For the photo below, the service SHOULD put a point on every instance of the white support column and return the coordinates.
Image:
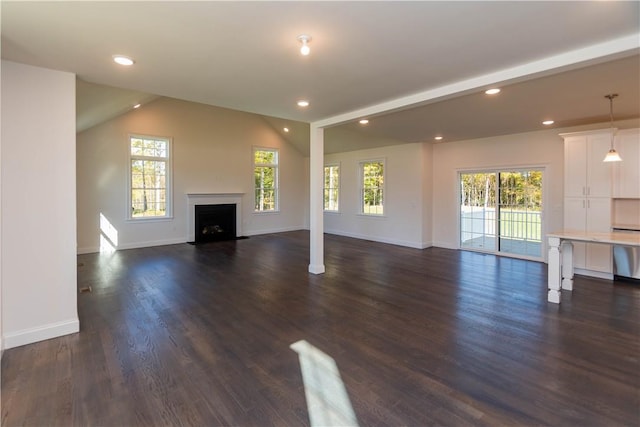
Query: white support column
(316, 211)
(554, 275)
(567, 265)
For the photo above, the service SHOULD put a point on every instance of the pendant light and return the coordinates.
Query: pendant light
(304, 39)
(612, 155)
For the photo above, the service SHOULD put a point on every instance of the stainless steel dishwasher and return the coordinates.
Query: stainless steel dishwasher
(626, 259)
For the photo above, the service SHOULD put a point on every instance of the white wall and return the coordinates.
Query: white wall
(427, 193)
(536, 149)
(212, 153)
(38, 249)
(307, 208)
(405, 192)
(1, 330)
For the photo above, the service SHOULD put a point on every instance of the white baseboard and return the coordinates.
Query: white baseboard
(135, 245)
(591, 273)
(406, 243)
(273, 230)
(445, 245)
(87, 250)
(421, 245)
(40, 333)
(426, 245)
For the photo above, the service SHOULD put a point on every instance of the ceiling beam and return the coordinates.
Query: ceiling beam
(578, 58)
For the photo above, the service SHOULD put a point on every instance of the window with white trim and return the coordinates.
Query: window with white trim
(149, 177)
(265, 178)
(331, 188)
(372, 187)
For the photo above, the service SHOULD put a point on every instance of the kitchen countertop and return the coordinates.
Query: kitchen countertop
(613, 238)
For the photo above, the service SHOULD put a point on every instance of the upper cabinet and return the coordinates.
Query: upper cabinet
(586, 175)
(626, 174)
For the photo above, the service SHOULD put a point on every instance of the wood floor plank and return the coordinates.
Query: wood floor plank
(200, 335)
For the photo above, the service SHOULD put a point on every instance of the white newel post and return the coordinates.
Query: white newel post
(567, 265)
(316, 214)
(554, 270)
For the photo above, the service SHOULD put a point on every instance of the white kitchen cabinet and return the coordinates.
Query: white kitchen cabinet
(586, 175)
(626, 174)
(587, 202)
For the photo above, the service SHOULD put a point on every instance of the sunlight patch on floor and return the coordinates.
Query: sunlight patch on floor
(108, 235)
(327, 399)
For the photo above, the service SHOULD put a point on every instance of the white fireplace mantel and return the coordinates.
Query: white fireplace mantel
(194, 199)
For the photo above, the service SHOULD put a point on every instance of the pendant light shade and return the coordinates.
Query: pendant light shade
(612, 155)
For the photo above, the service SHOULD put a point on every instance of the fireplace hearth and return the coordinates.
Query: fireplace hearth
(215, 223)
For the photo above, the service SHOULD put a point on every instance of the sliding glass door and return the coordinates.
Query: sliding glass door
(520, 215)
(478, 211)
(501, 211)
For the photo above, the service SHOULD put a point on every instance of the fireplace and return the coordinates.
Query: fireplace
(215, 222)
(212, 199)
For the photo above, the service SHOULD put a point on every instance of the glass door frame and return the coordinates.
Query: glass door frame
(497, 171)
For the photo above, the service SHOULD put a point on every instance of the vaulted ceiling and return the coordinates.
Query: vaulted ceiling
(244, 56)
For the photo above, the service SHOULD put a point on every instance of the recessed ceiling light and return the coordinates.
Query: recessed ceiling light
(123, 60)
(438, 138)
(137, 106)
(364, 121)
(492, 91)
(548, 122)
(285, 129)
(303, 103)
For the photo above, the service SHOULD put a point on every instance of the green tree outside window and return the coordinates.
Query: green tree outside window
(265, 176)
(149, 176)
(373, 188)
(331, 187)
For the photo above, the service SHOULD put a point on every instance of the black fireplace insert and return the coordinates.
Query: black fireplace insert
(215, 222)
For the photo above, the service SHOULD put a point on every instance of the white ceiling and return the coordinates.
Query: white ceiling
(244, 55)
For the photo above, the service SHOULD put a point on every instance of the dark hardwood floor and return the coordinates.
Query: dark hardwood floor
(200, 335)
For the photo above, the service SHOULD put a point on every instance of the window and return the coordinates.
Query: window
(265, 175)
(372, 180)
(501, 211)
(331, 187)
(149, 177)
